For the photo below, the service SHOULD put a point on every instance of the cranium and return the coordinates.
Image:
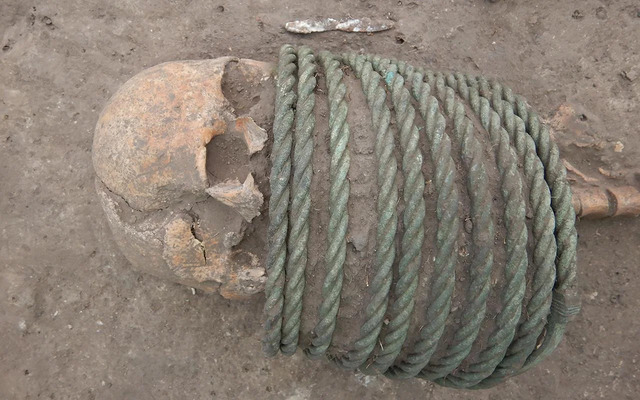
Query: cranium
(180, 172)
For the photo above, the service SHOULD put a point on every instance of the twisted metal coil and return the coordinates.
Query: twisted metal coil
(482, 229)
(447, 230)
(338, 199)
(413, 216)
(386, 211)
(520, 339)
(279, 202)
(300, 201)
(516, 248)
(565, 303)
(544, 253)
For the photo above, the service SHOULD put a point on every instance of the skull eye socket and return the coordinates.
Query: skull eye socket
(227, 159)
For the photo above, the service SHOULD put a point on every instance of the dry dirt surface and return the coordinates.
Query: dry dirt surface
(76, 322)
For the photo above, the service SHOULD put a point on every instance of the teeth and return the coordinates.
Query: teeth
(244, 198)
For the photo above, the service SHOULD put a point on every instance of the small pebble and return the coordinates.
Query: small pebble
(618, 147)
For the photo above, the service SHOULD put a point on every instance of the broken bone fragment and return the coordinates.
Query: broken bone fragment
(254, 136)
(194, 253)
(245, 198)
(606, 201)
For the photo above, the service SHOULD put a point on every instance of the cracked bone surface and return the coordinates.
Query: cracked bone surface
(170, 150)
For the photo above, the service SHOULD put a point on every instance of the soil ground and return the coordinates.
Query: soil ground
(76, 322)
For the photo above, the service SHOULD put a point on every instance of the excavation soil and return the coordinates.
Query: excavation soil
(76, 321)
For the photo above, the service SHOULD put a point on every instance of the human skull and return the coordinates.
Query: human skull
(180, 170)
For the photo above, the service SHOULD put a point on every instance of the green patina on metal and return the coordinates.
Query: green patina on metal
(279, 203)
(300, 200)
(338, 200)
(517, 136)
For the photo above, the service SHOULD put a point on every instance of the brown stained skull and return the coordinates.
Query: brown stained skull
(179, 171)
